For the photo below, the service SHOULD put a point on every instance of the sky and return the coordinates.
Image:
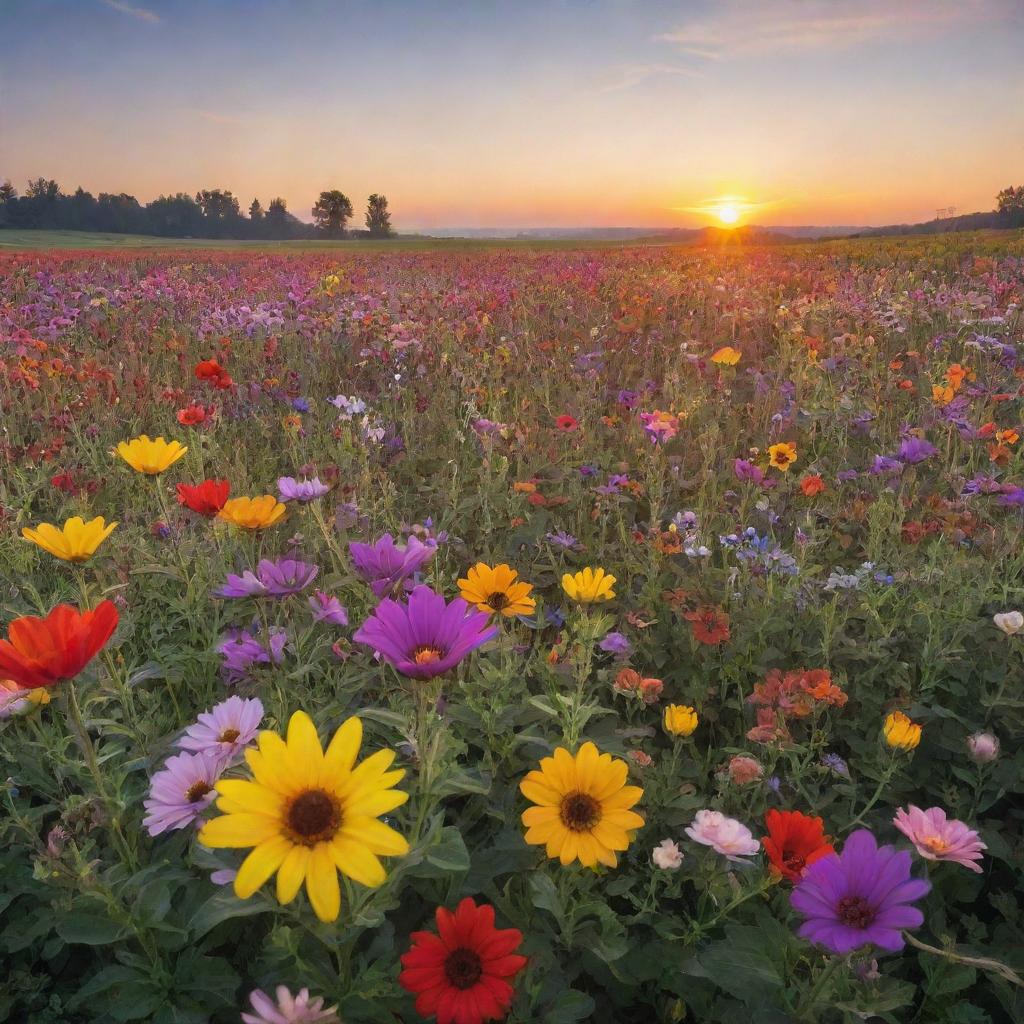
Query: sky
(528, 113)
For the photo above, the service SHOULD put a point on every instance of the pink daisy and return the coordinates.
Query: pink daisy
(181, 791)
(936, 837)
(226, 730)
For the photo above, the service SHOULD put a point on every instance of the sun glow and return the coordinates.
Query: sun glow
(728, 213)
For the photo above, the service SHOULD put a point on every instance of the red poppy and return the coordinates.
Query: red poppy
(812, 485)
(194, 415)
(40, 652)
(207, 498)
(213, 373)
(566, 423)
(794, 841)
(460, 974)
(710, 625)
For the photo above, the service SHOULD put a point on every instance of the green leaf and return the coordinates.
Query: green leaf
(89, 929)
(568, 1007)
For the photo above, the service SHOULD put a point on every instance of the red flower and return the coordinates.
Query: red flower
(794, 841)
(710, 625)
(64, 482)
(194, 415)
(812, 485)
(213, 373)
(40, 652)
(460, 974)
(566, 423)
(207, 498)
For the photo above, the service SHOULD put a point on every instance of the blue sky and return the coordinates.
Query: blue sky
(519, 114)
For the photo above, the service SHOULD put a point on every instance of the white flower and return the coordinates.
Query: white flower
(1011, 623)
(724, 835)
(667, 855)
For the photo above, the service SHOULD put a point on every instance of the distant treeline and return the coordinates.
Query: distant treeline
(211, 213)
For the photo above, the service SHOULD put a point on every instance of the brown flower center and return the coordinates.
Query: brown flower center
(426, 654)
(497, 601)
(462, 968)
(313, 817)
(228, 736)
(197, 791)
(579, 812)
(856, 912)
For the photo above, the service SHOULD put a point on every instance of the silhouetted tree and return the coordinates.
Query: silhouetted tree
(1010, 205)
(8, 196)
(220, 211)
(378, 220)
(331, 213)
(177, 216)
(277, 219)
(81, 211)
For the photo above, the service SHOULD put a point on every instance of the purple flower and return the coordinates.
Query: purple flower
(562, 539)
(616, 643)
(242, 649)
(226, 730)
(915, 450)
(746, 470)
(181, 791)
(328, 609)
(291, 489)
(384, 564)
(300, 405)
(883, 464)
(427, 636)
(860, 897)
(1012, 497)
(271, 579)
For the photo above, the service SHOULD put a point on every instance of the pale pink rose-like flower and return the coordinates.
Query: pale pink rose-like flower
(936, 837)
(743, 769)
(667, 855)
(724, 835)
(1011, 623)
(289, 1009)
(984, 747)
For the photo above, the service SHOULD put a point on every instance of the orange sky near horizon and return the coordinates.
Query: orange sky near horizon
(569, 114)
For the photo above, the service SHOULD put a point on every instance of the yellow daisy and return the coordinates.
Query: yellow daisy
(900, 732)
(150, 457)
(309, 814)
(589, 586)
(252, 513)
(75, 541)
(782, 456)
(496, 590)
(582, 807)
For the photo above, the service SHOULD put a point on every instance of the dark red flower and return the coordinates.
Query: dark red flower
(461, 973)
(213, 373)
(794, 841)
(566, 423)
(710, 625)
(207, 498)
(41, 652)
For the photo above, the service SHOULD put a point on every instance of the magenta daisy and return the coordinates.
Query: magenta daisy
(861, 897)
(385, 564)
(300, 1008)
(427, 636)
(936, 837)
(226, 729)
(181, 791)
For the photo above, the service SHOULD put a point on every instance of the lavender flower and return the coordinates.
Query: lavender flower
(242, 649)
(328, 609)
(291, 489)
(915, 450)
(226, 730)
(181, 791)
(562, 539)
(616, 643)
(859, 898)
(272, 579)
(384, 564)
(427, 636)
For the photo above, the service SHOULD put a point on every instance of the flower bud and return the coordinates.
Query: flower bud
(984, 747)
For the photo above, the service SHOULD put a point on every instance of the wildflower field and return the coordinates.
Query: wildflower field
(615, 634)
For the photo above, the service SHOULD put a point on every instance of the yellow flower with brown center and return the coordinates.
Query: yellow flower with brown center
(900, 732)
(589, 585)
(497, 590)
(726, 356)
(252, 513)
(308, 813)
(582, 807)
(782, 455)
(150, 457)
(679, 720)
(75, 541)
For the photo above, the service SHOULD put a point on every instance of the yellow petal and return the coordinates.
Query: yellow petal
(291, 873)
(236, 831)
(322, 884)
(356, 861)
(260, 865)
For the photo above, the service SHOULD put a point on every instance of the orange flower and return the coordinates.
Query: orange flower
(726, 356)
(942, 395)
(710, 625)
(811, 485)
(524, 487)
(1007, 436)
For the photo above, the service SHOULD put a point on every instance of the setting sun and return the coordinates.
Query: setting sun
(728, 214)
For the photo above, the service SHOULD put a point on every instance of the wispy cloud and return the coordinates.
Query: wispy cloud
(625, 76)
(142, 13)
(780, 26)
(216, 118)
